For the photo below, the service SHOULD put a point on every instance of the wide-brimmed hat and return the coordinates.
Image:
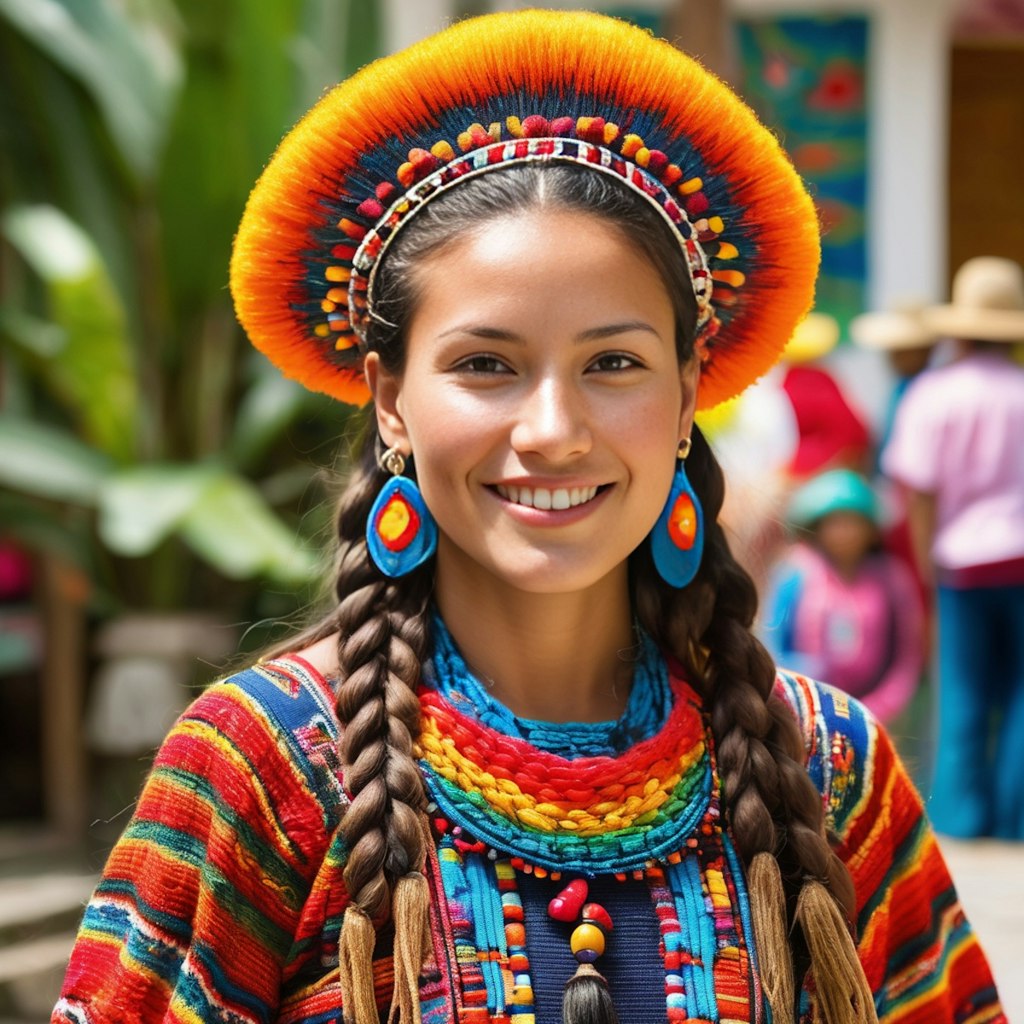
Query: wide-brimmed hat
(987, 302)
(518, 87)
(892, 330)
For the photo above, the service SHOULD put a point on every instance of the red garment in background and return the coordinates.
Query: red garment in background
(831, 435)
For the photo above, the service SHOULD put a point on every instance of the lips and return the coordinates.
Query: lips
(557, 499)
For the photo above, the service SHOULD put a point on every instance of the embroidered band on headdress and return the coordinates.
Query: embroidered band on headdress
(545, 149)
(510, 88)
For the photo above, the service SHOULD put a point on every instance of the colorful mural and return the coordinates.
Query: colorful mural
(806, 78)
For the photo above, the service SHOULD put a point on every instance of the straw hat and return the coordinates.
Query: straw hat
(892, 331)
(988, 302)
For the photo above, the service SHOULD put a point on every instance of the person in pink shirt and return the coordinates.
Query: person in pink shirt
(957, 449)
(839, 607)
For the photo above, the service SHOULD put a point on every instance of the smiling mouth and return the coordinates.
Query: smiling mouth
(542, 498)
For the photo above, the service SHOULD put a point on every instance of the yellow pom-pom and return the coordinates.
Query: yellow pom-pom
(443, 150)
(630, 144)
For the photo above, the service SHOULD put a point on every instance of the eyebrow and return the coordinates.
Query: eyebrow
(590, 334)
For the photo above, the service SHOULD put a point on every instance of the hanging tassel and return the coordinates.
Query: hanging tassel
(771, 936)
(355, 967)
(410, 911)
(841, 989)
(586, 999)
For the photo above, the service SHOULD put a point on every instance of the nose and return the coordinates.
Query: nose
(553, 421)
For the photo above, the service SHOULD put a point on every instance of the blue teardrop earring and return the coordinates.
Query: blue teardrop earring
(677, 540)
(400, 531)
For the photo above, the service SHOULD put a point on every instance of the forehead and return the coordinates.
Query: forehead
(540, 254)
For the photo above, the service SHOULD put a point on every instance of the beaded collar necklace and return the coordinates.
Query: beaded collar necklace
(511, 796)
(594, 813)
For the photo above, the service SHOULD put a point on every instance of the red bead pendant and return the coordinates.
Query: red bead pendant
(567, 904)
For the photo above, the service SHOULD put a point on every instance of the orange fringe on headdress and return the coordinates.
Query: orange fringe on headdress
(289, 273)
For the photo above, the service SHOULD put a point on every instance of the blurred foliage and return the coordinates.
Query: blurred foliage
(139, 433)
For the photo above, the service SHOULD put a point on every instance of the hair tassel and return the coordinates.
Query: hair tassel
(771, 934)
(355, 967)
(411, 913)
(841, 989)
(586, 999)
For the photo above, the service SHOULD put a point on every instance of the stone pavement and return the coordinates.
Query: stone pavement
(989, 876)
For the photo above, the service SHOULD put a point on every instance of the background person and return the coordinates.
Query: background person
(839, 606)
(956, 449)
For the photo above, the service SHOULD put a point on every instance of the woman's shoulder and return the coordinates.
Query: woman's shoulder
(278, 717)
(841, 743)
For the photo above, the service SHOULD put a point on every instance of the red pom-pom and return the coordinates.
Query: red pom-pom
(591, 129)
(562, 127)
(657, 162)
(371, 209)
(536, 127)
(697, 204)
(423, 162)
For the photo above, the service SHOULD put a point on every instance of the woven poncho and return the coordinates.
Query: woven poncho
(224, 898)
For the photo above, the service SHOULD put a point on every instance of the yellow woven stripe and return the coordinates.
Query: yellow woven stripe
(602, 816)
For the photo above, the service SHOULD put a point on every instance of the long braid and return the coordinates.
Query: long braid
(774, 809)
(382, 641)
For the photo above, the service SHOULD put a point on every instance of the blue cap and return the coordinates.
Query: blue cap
(838, 490)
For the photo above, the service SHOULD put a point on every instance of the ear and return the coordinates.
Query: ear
(689, 377)
(386, 389)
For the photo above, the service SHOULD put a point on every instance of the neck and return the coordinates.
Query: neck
(551, 657)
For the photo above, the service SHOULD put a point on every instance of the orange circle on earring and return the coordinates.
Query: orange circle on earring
(587, 936)
(682, 523)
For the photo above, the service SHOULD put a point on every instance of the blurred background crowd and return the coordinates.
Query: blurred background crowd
(165, 497)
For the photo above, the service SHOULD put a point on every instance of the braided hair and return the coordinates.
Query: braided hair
(801, 893)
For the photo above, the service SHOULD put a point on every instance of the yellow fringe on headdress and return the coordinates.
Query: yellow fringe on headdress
(767, 289)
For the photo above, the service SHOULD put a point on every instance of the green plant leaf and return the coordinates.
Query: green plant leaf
(47, 462)
(140, 507)
(266, 409)
(129, 65)
(237, 532)
(93, 371)
(40, 338)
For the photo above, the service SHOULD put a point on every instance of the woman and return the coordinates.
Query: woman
(559, 742)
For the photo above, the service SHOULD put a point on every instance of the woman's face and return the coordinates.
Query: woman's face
(542, 400)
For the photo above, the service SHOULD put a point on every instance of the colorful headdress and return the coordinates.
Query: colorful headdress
(508, 88)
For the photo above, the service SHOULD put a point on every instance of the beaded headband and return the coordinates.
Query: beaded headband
(512, 88)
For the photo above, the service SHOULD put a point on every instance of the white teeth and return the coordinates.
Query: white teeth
(542, 498)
